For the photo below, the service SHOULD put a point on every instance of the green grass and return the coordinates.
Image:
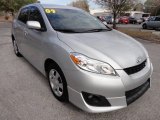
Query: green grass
(138, 33)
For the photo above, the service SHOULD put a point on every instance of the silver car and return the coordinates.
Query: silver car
(87, 63)
(110, 20)
(153, 22)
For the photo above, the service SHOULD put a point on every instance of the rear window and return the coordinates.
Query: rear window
(126, 14)
(145, 15)
(23, 16)
(138, 15)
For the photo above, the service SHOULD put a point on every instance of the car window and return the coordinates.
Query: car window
(35, 15)
(151, 19)
(23, 16)
(145, 15)
(157, 19)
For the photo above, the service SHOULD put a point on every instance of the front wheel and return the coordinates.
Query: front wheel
(57, 82)
(144, 26)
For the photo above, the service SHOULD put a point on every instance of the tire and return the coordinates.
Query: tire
(144, 26)
(57, 82)
(16, 50)
(158, 29)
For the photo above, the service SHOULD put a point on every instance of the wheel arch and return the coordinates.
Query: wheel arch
(12, 36)
(47, 62)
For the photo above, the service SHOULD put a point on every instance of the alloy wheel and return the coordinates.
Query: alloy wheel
(15, 47)
(56, 82)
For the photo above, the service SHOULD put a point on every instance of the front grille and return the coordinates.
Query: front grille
(134, 94)
(135, 69)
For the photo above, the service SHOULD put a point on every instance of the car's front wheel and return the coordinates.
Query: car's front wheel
(144, 26)
(57, 82)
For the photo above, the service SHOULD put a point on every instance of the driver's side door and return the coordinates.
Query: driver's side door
(151, 23)
(157, 22)
(34, 38)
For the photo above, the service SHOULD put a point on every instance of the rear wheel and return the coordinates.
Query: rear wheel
(16, 50)
(57, 82)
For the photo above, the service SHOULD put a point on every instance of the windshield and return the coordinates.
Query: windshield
(126, 14)
(71, 20)
(145, 15)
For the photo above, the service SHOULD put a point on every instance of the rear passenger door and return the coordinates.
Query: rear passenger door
(34, 38)
(19, 25)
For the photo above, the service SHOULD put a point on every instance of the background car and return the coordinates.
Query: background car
(109, 20)
(152, 22)
(133, 20)
(124, 19)
(145, 16)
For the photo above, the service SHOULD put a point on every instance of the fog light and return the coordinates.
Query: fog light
(95, 100)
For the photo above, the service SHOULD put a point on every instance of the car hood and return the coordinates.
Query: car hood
(113, 47)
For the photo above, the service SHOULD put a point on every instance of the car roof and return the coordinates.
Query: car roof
(56, 6)
(52, 6)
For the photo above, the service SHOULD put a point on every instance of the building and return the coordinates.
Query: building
(100, 12)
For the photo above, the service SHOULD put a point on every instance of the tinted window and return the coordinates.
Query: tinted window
(23, 16)
(35, 15)
(145, 15)
(73, 20)
(157, 19)
(151, 19)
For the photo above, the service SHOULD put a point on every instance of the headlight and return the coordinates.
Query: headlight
(92, 65)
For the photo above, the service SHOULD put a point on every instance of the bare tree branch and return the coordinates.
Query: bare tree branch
(115, 5)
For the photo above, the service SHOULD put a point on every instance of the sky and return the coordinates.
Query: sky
(65, 2)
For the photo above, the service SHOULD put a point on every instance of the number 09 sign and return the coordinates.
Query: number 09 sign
(48, 11)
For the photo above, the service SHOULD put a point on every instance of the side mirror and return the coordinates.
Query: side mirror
(34, 25)
(105, 23)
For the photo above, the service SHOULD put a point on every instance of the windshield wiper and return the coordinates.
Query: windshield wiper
(81, 31)
(66, 30)
(97, 30)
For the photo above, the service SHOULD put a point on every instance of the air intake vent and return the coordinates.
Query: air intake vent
(135, 69)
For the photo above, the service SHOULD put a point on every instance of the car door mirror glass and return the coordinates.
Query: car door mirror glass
(34, 25)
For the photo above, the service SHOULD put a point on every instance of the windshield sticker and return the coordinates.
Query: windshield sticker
(50, 11)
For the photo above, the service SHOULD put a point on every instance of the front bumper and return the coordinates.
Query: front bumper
(77, 99)
(113, 88)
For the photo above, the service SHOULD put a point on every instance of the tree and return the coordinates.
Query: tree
(13, 5)
(117, 7)
(6, 6)
(83, 4)
(138, 7)
(153, 7)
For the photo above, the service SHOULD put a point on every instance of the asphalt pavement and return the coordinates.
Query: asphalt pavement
(25, 93)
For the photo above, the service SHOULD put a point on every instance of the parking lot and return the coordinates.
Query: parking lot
(25, 93)
(133, 26)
